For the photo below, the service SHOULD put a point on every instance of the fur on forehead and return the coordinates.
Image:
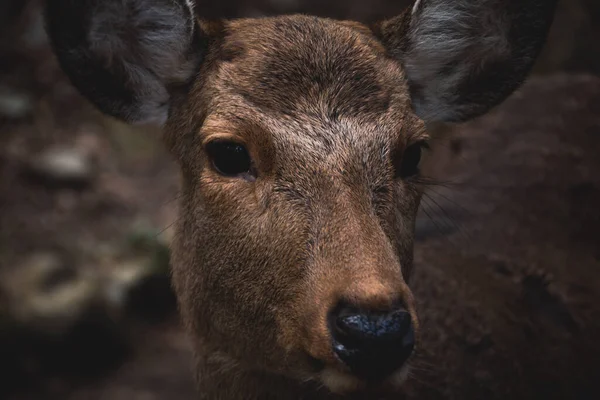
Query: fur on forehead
(301, 66)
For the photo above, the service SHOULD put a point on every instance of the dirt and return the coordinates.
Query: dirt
(520, 273)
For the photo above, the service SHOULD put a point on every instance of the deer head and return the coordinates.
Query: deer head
(299, 141)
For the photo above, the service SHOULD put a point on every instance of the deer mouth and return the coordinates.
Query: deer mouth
(358, 347)
(341, 382)
(347, 371)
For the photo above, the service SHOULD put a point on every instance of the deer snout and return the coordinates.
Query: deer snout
(373, 344)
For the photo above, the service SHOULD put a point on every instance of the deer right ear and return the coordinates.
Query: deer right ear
(126, 56)
(463, 57)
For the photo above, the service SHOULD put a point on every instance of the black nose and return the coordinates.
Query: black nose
(373, 344)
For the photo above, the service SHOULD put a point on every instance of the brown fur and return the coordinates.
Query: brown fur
(325, 110)
(282, 252)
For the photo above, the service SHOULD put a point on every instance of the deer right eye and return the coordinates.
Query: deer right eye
(229, 158)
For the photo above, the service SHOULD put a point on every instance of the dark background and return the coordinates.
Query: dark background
(87, 203)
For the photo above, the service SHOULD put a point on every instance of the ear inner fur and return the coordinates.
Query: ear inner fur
(463, 57)
(126, 56)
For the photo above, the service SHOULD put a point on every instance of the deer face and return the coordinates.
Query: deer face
(302, 201)
(299, 142)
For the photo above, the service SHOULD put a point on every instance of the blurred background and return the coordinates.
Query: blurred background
(87, 204)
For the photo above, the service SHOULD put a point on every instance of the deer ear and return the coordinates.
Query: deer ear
(126, 56)
(463, 57)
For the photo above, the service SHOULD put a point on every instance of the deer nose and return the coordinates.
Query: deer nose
(372, 344)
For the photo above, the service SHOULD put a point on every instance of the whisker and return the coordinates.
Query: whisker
(162, 231)
(441, 213)
(445, 215)
(177, 197)
(419, 375)
(426, 212)
(416, 366)
(429, 181)
(454, 202)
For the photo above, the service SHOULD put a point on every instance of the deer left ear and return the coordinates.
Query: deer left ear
(463, 57)
(128, 57)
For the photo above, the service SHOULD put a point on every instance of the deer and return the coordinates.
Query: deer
(299, 142)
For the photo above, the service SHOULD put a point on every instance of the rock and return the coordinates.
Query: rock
(121, 280)
(48, 295)
(137, 288)
(15, 104)
(56, 323)
(62, 167)
(141, 286)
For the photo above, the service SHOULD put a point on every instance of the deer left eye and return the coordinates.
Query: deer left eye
(229, 158)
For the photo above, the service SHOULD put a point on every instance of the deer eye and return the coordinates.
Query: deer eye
(409, 160)
(229, 158)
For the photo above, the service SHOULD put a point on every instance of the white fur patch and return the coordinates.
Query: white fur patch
(416, 6)
(191, 4)
(399, 378)
(342, 383)
(339, 382)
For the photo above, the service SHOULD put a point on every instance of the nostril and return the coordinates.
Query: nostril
(372, 344)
